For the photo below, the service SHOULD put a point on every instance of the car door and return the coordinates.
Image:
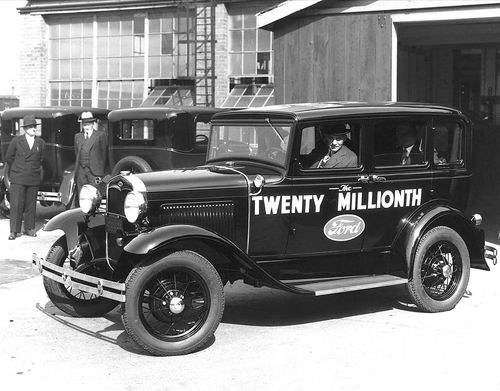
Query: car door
(399, 176)
(319, 224)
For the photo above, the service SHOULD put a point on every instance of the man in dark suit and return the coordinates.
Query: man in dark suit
(91, 147)
(24, 157)
(409, 149)
(335, 154)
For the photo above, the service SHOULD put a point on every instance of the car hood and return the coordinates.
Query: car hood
(193, 179)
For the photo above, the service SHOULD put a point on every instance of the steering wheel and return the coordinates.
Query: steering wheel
(276, 153)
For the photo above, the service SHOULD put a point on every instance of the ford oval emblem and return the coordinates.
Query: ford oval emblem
(344, 227)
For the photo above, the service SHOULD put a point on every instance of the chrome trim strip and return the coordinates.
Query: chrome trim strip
(97, 286)
(249, 186)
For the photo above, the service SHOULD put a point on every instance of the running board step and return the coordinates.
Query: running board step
(347, 284)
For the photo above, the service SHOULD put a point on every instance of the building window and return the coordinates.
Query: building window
(70, 61)
(172, 44)
(250, 48)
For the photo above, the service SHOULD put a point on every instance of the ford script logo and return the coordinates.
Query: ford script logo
(344, 227)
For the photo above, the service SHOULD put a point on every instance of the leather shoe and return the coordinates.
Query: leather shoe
(12, 236)
(30, 232)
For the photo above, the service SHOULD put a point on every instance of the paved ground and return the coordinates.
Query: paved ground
(268, 340)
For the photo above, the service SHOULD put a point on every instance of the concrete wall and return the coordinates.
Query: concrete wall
(337, 57)
(34, 61)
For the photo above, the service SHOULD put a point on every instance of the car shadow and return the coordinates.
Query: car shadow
(269, 307)
(122, 340)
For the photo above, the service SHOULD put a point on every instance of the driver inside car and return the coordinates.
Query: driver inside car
(334, 153)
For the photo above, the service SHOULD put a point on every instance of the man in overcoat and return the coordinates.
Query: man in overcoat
(24, 157)
(91, 147)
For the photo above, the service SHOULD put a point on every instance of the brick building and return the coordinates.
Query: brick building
(124, 53)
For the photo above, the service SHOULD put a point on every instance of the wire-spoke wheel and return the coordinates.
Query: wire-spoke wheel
(173, 305)
(74, 301)
(441, 270)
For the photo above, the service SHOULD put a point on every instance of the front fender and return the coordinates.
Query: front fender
(73, 222)
(432, 215)
(152, 241)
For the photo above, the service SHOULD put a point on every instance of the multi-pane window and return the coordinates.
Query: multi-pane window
(171, 44)
(250, 48)
(70, 61)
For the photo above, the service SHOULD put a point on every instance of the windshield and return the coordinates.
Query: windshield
(263, 142)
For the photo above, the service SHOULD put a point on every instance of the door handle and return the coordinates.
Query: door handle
(364, 179)
(376, 178)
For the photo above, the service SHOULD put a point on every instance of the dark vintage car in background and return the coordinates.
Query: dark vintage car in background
(144, 139)
(57, 126)
(260, 210)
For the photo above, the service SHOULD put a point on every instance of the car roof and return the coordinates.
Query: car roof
(305, 111)
(50, 111)
(160, 112)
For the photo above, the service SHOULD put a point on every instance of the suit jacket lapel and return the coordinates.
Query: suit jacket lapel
(92, 139)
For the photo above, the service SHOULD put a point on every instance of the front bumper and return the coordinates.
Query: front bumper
(90, 284)
(49, 196)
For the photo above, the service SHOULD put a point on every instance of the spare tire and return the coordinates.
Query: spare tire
(134, 164)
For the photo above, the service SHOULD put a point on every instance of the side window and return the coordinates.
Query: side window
(139, 129)
(448, 142)
(19, 130)
(202, 133)
(330, 145)
(399, 142)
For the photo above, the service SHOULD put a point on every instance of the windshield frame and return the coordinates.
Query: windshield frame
(266, 121)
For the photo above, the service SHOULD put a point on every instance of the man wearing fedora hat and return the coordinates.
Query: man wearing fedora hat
(336, 154)
(24, 157)
(91, 147)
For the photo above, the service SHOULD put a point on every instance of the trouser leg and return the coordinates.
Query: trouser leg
(30, 207)
(16, 206)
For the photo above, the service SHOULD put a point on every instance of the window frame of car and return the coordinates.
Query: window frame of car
(465, 141)
(298, 170)
(375, 120)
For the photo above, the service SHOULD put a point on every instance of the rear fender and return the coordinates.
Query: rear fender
(74, 222)
(432, 215)
(162, 240)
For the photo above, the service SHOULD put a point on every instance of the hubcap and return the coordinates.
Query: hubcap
(176, 305)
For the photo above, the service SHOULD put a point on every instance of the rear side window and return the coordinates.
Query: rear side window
(399, 142)
(448, 142)
(138, 129)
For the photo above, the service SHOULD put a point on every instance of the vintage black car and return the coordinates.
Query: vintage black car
(260, 210)
(58, 126)
(144, 139)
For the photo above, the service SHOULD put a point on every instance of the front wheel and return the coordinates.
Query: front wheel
(440, 272)
(72, 301)
(173, 305)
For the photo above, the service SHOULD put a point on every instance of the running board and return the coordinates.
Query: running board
(347, 284)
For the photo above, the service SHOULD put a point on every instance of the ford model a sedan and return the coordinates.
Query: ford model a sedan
(57, 126)
(313, 199)
(144, 139)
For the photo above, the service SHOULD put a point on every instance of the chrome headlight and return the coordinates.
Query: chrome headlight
(134, 206)
(90, 199)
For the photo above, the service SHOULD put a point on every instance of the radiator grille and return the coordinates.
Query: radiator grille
(116, 198)
(215, 216)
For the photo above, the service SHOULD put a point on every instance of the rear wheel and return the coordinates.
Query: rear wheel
(440, 272)
(173, 305)
(74, 301)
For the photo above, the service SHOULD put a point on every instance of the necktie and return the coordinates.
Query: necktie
(405, 159)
